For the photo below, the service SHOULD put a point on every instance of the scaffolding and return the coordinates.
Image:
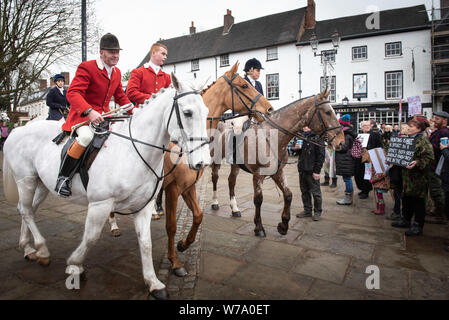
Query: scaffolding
(440, 55)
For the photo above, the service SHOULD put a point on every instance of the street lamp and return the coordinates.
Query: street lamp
(345, 101)
(335, 43)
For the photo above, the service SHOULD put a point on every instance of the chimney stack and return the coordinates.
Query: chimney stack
(42, 84)
(310, 15)
(52, 83)
(192, 29)
(228, 21)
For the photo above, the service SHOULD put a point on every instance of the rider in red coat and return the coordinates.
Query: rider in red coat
(94, 84)
(149, 78)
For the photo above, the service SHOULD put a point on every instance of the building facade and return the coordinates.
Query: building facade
(381, 58)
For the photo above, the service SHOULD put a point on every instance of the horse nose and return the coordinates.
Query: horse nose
(270, 110)
(199, 165)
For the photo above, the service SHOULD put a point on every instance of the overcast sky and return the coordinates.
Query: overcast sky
(139, 23)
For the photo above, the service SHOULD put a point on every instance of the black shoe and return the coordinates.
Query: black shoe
(304, 214)
(325, 183)
(415, 230)
(334, 183)
(360, 193)
(402, 223)
(363, 195)
(63, 186)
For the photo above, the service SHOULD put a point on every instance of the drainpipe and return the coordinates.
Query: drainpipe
(299, 76)
(216, 70)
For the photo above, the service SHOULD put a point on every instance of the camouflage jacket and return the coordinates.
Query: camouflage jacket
(415, 181)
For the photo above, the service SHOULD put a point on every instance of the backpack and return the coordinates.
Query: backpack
(356, 150)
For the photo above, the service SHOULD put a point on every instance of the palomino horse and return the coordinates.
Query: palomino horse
(229, 92)
(270, 153)
(124, 175)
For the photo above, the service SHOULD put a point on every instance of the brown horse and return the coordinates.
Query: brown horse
(266, 143)
(229, 92)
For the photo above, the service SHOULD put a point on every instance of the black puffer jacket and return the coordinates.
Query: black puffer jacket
(311, 156)
(343, 159)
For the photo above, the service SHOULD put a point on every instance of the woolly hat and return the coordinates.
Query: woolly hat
(345, 118)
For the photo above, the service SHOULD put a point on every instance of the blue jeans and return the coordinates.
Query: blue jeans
(348, 182)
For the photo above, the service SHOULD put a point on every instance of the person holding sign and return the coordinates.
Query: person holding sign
(444, 174)
(440, 120)
(415, 179)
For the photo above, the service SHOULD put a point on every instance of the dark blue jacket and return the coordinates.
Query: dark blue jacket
(258, 85)
(56, 102)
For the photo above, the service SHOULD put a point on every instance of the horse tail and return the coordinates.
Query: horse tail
(9, 183)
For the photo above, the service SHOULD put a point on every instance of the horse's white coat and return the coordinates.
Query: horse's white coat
(119, 180)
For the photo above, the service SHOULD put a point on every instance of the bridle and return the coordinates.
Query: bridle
(323, 125)
(174, 109)
(239, 93)
(298, 135)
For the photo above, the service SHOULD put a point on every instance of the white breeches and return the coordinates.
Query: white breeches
(85, 136)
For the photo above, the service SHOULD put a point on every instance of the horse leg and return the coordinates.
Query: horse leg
(97, 214)
(159, 208)
(258, 199)
(191, 201)
(31, 194)
(142, 222)
(171, 202)
(115, 231)
(231, 183)
(281, 182)
(215, 169)
(25, 240)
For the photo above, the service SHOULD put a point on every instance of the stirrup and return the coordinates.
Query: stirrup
(63, 184)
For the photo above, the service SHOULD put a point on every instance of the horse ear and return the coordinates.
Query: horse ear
(175, 82)
(324, 95)
(234, 68)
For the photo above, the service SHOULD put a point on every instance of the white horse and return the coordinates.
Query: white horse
(119, 179)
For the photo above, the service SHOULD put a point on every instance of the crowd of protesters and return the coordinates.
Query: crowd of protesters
(424, 181)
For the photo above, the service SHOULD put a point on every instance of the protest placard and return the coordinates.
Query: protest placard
(364, 137)
(378, 160)
(414, 105)
(401, 151)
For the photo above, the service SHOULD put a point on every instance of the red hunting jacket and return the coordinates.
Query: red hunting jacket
(144, 82)
(92, 88)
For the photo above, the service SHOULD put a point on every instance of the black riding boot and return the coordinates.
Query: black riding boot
(63, 183)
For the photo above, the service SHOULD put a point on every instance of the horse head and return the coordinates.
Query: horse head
(187, 123)
(239, 95)
(326, 122)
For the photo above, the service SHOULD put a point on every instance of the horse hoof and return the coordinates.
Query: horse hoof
(236, 214)
(282, 230)
(31, 257)
(260, 233)
(155, 217)
(161, 294)
(180, 246)
(116, 233)
(45, 262)
(180, 272)
(215, 207)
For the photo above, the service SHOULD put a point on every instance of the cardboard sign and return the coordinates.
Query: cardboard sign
(401, 151)
(364, 137)
(414, 105)
(378, 160)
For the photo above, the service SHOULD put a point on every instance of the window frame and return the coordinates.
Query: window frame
(402, 84)
(393, 55)
(221, 60)
(277, 53)
(192, 62)
(267, 86)
(360, 47)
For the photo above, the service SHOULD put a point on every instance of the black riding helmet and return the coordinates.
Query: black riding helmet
(57, 77)
(252, 63)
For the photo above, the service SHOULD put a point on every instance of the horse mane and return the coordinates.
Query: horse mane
(204, 90)
(291, 103)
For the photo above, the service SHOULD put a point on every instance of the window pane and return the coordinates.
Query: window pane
(224, 60)
(272, 53)
(273, 86)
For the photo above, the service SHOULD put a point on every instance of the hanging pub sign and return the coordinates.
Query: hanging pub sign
(401, 151)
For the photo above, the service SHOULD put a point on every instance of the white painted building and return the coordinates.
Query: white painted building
(281, 42)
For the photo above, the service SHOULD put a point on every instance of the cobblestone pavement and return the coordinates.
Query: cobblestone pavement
(315, 260)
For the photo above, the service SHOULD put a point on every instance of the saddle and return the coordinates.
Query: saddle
(235, 155)
(89, 154)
